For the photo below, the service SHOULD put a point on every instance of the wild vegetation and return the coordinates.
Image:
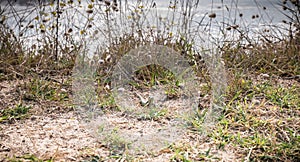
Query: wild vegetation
(261, 108)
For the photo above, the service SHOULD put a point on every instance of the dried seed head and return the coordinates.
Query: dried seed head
(89, 11)
(294, 1)
(115, 8)
(45, 20)
(284, 7)
(107, 2)
(90, 6)
(31, 26)
(212, 15)
(235, 26)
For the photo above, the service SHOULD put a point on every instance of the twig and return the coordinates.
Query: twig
(247, 159)
(56, 39)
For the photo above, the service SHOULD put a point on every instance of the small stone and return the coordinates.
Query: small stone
(265, 75)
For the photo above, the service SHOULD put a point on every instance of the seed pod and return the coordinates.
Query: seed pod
(107, 2)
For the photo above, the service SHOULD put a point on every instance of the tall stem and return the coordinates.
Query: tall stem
(56, 39)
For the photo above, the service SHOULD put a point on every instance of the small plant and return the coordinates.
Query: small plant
(153, 114)
(19, 112)
(154, 74)
(116, 143)
(31, 158)
(180, 154)
(207, 156)
(173, 91)
(44, 89)
(195, 123)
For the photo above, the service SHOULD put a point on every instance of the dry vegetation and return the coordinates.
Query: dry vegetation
(260, 120)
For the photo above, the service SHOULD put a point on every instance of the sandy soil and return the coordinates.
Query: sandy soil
(56, 133)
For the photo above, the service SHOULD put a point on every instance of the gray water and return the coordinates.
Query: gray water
(256, 16)
(225, 9)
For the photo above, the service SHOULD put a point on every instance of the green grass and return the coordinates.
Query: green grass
(42, 89)
(153, 114)
(269, 128)
(28, 157)
(18, 112)
(116, 143)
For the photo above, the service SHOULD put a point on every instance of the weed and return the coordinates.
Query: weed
(31, 158)
(107, 102)
(257, 126)
(207, 156)
(19, 112)
(153, 114)
(154, 74)
(43, 89)
(116, 144)
(180, 153)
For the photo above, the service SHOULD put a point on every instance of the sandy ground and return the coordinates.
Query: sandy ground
(52, 132)
(63, 137)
